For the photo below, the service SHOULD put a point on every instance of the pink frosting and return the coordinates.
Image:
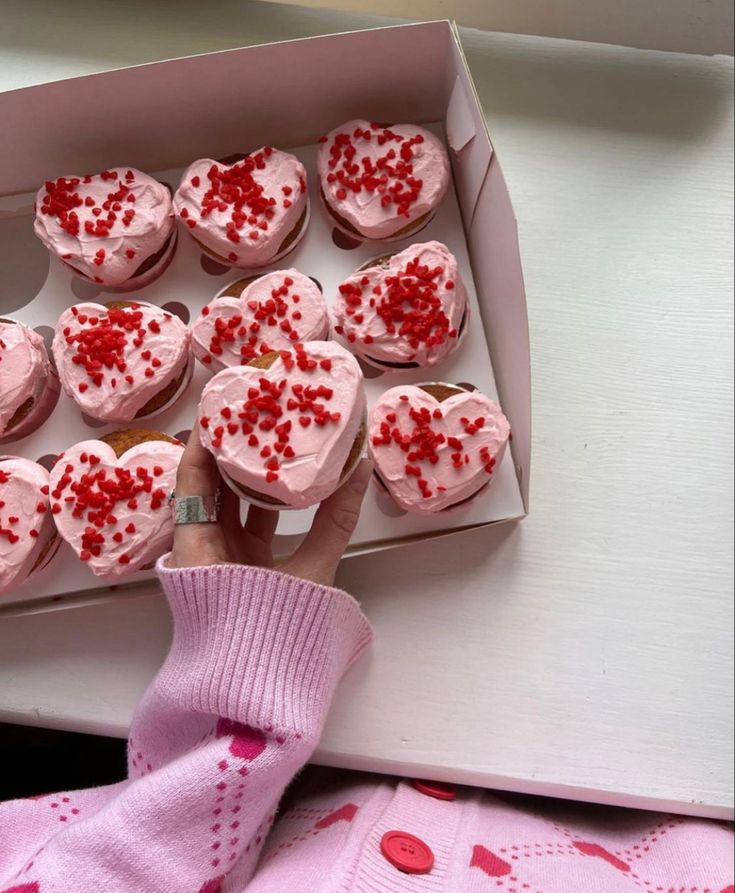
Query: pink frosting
(433, 454)
(271, 313)
(286, 431)
(243, 211)
(420, 294)
(24, 368)
(366, 179)
(71, 213)
(135, 353)
(26, 525)
(130, 524)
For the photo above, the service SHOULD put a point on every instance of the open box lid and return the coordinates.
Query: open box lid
(163, 114)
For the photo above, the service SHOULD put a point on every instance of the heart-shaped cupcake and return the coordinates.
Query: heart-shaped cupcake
(254, 316)
(435, 445)
(247, 214)
(404, 310)
(288, 428)
(116, 228)
(109, 498)
(27, 532)
(382, 182)
(30, 386)
(122, 360)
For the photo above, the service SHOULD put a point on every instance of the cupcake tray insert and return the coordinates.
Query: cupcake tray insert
(329, 256)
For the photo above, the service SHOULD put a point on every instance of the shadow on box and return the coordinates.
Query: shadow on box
(24, 263)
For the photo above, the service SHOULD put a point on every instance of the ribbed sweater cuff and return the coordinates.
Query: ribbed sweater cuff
(257, 645)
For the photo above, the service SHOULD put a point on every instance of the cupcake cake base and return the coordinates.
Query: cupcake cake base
(410, 229)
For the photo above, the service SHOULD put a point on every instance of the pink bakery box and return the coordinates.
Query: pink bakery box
(161, 116)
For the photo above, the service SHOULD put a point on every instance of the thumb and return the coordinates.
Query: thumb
(319, 554)
(197, 474)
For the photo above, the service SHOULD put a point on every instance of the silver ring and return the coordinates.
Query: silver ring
(195, 509)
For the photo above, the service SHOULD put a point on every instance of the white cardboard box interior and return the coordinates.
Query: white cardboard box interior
(498, 315)
(191, 283)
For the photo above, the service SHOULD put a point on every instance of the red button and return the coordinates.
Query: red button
(406, 852)
(436, 789)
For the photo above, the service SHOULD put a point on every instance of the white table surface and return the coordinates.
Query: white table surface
(586, 652)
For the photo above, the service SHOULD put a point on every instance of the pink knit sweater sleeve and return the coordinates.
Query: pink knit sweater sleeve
(235, 711)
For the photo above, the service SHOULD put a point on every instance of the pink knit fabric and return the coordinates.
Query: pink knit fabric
(235, 712)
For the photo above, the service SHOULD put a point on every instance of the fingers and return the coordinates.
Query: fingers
(197, 544)
(253, 543)
(197, 474)
(229, 512)
(261, 523)
(318, 556)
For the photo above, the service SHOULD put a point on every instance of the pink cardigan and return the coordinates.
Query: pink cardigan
(234, 714)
